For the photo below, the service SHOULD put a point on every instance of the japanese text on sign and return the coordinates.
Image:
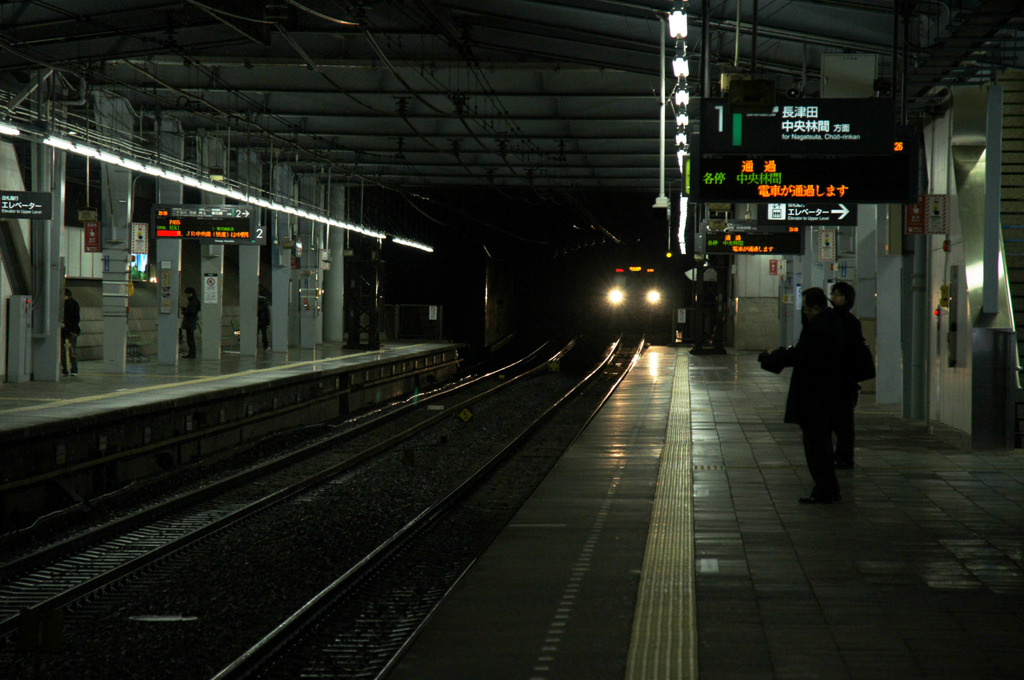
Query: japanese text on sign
(769, 179)
(26, 204)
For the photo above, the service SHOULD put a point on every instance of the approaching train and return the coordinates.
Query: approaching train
(642, 298)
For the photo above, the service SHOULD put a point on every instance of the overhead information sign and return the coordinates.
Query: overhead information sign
(775, 179)
(801, 126)
(211, 223)
(754, 243)
(35, 205)
(780, 214)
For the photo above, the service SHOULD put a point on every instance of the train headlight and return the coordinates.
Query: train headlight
(616, 296)
(653, 297)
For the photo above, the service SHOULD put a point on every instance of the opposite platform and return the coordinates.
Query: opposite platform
(94, 391)
(66, 442)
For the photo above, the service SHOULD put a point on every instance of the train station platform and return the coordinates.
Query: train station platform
(95, 432)
(668, 543)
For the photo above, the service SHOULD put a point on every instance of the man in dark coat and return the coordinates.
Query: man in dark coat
(189, 321)
(842, 297)
(69, 332)
(814, 389)
(262, 317)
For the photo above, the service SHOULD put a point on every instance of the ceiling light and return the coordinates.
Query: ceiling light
(677, 20)
(681, 67)
(412, 244)
(6, 129)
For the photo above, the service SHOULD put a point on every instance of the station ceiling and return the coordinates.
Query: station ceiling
(543, 103)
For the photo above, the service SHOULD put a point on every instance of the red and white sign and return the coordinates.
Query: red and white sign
(827, 245)
(773, 267)
(140, 238)
(928, 215)
(92, 237)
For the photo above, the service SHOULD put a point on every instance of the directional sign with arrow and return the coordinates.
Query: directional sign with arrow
(210, 223)
(837, 214)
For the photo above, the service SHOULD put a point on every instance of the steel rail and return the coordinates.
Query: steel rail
(250, 663)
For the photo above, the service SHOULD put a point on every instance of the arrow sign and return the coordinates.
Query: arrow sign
(786, 214)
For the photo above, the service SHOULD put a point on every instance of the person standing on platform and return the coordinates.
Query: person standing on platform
(189, 321)
(69, 332)
(813, 389)
(263, 317)
(842, 297)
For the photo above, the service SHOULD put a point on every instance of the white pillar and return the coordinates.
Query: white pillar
(168, 252)
(211, 268)
(334, 278)
(888, 314)
(280, 270)
(115, 115)
(250, 172)
(47, 176)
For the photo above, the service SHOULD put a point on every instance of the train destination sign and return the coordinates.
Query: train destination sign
(808, 179)
(211, 223)
(754, 243)
(801, 126)
(838, 214)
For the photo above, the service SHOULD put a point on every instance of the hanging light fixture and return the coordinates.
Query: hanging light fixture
(677, 20)
(681, 65)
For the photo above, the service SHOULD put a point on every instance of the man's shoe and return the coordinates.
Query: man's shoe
(820, 499)
(74, 372)
(844, 465)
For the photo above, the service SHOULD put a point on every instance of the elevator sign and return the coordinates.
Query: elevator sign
(838, 214)
(34, 205)
(209, 223)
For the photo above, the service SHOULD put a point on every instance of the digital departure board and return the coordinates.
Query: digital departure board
(800, 126)
(754, 243)
(210, 223)
(890, 178)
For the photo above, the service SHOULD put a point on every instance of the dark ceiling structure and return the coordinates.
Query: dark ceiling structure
(551, 104)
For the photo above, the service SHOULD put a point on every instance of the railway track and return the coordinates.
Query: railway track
(359, 626)
(116, 566)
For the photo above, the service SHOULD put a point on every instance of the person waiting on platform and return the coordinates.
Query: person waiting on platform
(842, 297)
(263, 316)
(69, 332)
(813, 389)
(189, 321)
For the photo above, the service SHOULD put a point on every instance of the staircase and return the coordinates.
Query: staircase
(1012, 215)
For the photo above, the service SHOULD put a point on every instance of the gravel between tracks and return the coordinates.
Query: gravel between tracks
(213, 603)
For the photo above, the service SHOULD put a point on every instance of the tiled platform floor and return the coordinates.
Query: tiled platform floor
(917, 573)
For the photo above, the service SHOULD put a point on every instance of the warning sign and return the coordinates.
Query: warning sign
(928, 215)
(827, 245)
(210, 288)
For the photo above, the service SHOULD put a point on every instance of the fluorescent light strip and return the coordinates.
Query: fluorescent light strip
(107, 157)
(10, 130)
(411, 244)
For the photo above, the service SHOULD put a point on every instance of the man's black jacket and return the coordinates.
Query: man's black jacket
(816, 381)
